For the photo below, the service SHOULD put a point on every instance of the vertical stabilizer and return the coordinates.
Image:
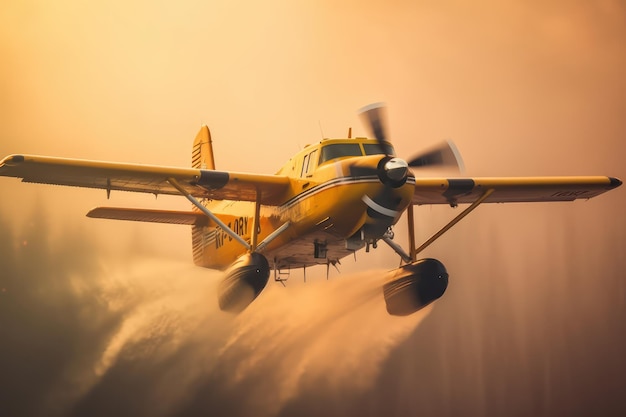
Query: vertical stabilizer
(202, 151)
(202, 158)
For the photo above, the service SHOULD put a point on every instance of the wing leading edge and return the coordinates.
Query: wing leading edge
(200, 183)
(455, 191)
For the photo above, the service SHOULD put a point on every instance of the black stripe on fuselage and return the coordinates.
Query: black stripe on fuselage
(332, 183)
(324, 186)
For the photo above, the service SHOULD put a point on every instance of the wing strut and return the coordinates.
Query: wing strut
(256, 225)
(452, 223)
(210, 215)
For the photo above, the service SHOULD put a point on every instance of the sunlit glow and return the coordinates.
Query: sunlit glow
(111, 318)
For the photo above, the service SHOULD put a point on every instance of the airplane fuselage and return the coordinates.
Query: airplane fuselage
(336, 204)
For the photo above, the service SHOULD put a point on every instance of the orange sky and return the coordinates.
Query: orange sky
(523, 89)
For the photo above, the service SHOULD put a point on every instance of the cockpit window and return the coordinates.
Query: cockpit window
(378, 149)
(308, 164)
(340, 150)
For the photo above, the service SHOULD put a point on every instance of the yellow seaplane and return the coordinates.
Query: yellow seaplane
(331, 199)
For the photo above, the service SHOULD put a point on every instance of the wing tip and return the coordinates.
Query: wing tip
(12, 160)
(615, 182)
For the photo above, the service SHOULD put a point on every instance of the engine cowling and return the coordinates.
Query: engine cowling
(412, 287)
(243, 282)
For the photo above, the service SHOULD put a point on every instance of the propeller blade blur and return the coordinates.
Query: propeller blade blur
(445, 155)
(373, 115)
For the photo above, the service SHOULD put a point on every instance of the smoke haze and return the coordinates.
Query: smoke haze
(111, 318)
(147, 338)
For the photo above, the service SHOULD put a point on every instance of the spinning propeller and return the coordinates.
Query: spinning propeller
(394, 172)
(444, 155)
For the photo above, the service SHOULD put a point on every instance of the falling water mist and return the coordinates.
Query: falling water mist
(147, 338)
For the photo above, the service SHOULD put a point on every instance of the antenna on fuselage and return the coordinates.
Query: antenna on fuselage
(319, 122)
(349, 133)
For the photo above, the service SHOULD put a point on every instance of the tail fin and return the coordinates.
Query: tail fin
(202, 151)
(201, 158)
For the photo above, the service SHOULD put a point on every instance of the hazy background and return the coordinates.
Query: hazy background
(111, 318)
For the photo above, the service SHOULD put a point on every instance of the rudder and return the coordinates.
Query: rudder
(202, 150)
(201, 158)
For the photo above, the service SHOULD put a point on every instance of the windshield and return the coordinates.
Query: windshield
(340, 150)
(378, 149)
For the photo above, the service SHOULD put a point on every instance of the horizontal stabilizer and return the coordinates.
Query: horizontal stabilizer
(147, 215)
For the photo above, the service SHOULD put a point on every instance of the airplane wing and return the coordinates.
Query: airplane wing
(200, 183)
(455, 191)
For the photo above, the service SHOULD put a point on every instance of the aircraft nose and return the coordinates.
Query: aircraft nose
(396, 169)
